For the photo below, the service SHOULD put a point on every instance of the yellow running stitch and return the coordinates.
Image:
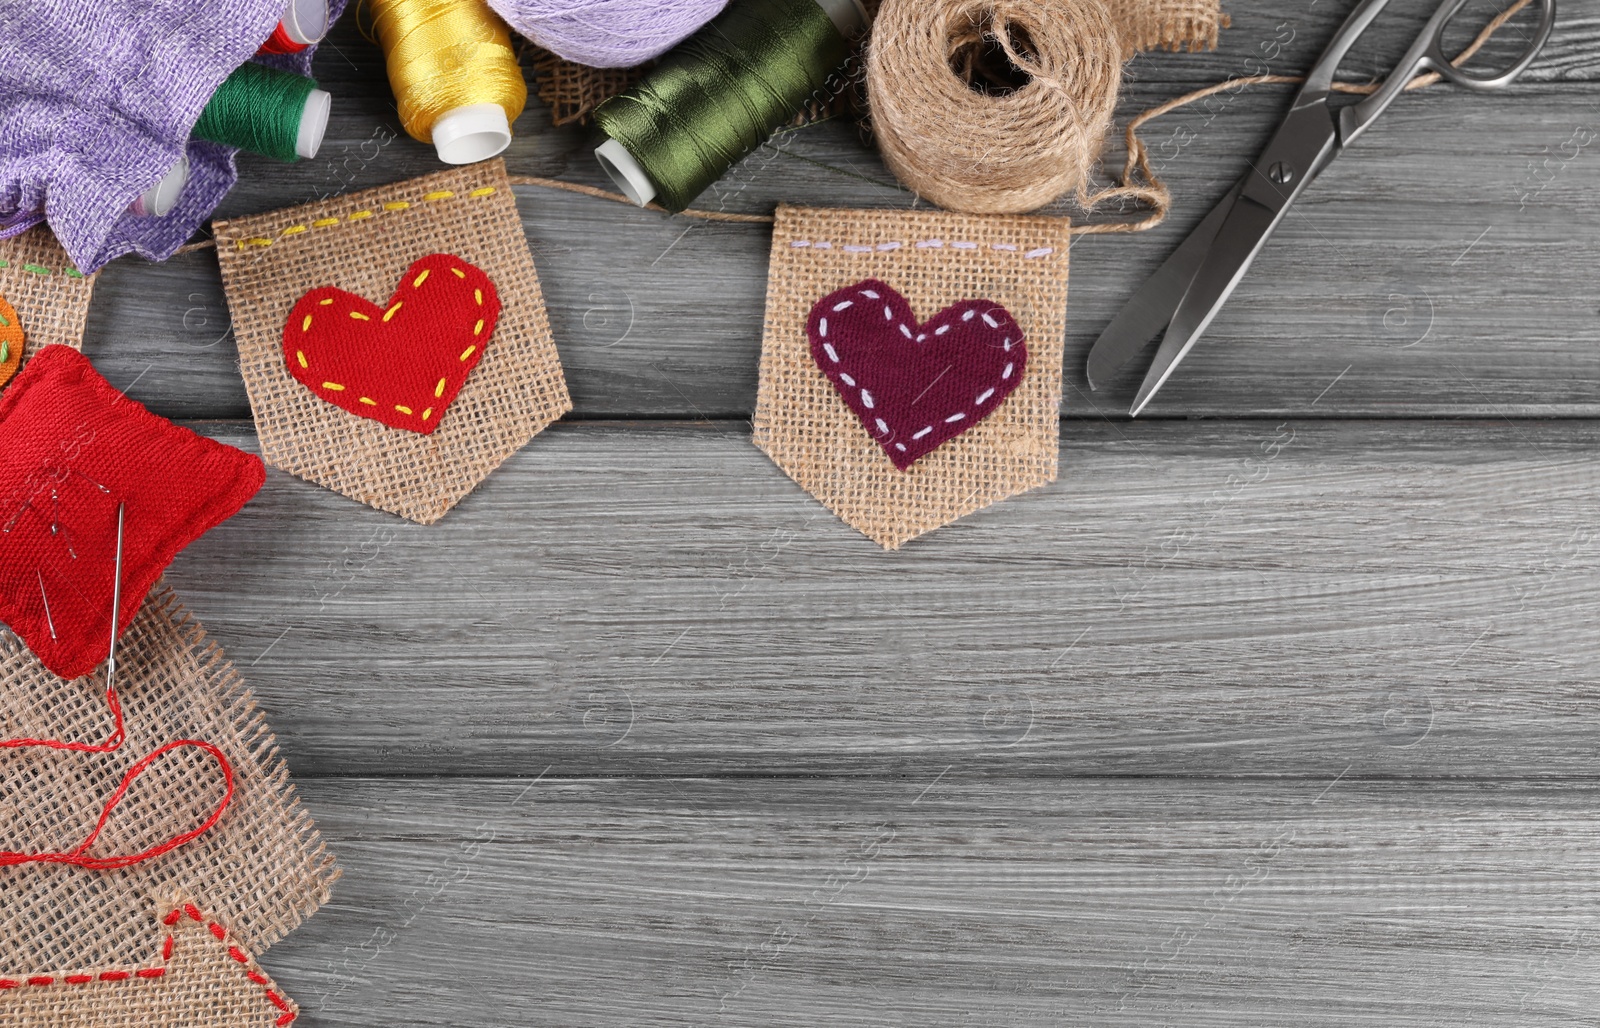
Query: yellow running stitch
(392, 206)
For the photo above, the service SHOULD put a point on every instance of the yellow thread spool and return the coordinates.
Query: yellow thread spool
(453, 72)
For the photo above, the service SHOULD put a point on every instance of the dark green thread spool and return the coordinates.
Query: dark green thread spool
(722, 93)
(266, 111)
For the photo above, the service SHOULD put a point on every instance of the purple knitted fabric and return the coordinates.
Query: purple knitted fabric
(97, 98)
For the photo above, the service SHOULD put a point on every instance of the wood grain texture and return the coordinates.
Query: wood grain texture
(1446, 264)
(951, 900)
(1200, 598)
(1281, 717)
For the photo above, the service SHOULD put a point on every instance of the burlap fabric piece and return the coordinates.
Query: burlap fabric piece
(262, 869)
(361, 243)
(49, 294)
(573, 91)
(1167, 24)
(188, 973)
(935, 260)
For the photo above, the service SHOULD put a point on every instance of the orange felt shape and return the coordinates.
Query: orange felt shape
(401, 364)
(11, 340)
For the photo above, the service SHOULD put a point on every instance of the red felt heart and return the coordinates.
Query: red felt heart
(72, 449)
(915, 387)
(402, 363)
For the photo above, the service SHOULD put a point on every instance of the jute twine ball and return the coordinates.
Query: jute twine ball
(993, 106)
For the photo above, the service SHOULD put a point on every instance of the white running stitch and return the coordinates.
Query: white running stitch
(921, 244)
(867, 400)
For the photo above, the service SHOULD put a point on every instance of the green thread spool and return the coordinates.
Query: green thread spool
(274, 113)
(722, 93)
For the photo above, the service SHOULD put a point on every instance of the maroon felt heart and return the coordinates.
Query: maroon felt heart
(915, 386)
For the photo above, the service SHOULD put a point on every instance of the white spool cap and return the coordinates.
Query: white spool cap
(467, 135)
(313, 123)
(160, 198)
(306, 21)
(626, 172)
(848, 16)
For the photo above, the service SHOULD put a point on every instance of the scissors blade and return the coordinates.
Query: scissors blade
(1240, 238)
(1152, 307)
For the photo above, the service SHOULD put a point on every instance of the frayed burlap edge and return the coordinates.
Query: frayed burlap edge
(49, 294)
(263, 868)
(934, 259)
(361, 243)
(1190, 25)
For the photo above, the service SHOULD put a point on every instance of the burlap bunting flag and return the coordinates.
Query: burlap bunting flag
(362, 244)
(935, 261)
(49, 295)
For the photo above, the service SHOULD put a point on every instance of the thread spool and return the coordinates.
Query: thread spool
(159, 199)
(607, 33)
(716, 98)
(274, 113)
(304, 23)
(993, 106)
(454, 74)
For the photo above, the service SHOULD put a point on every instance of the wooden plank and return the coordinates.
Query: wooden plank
(1447, 264)
(950, 900)
(1201, 598)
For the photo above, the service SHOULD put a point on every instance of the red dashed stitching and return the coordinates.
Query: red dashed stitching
(167, 949)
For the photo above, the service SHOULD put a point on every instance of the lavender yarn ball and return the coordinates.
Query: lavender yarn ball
(608, 33)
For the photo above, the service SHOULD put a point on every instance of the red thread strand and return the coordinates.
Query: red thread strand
(78, 856)
(111, 745)
(167, 949)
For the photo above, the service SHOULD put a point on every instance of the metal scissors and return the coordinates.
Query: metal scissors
(1186, 292)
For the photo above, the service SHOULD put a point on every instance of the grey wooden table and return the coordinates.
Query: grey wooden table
(642, 735)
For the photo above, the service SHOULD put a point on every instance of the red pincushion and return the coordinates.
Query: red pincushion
(71, 449)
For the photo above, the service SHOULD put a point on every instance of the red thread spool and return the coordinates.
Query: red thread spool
(304, 22)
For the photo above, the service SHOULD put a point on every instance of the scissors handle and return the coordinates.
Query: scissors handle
(1425, 55)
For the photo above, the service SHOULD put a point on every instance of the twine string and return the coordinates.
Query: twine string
(1139, 181)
